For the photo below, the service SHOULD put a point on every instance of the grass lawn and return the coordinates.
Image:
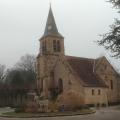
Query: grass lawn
(30, 115)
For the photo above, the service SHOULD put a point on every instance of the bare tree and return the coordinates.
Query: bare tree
(23, 74)
(27, 63)
(116, 3)
(111, 40)
(2, 72)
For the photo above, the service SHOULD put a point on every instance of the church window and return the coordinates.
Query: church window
(44, 46)
(58, 46)
(93, 92)
(60, 85)
(54, 46)
(99, 92)
(111, 84)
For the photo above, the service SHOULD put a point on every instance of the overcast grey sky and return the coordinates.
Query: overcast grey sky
(22, 23)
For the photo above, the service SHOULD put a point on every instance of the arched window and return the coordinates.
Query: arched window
(99, 92)
(44, 46)
(93, 92)
(111, 84)
(58, 46)
(60, 85)
(54, 46)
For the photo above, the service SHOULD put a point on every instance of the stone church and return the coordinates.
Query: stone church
(72, 80)
(67, 80)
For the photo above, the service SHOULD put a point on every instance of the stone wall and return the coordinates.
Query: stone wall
(107, 73)
(73, 91)
(95, 96)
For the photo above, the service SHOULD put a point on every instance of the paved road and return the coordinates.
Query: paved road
(102, 114)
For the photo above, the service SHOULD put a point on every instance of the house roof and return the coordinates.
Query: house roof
(84, 67)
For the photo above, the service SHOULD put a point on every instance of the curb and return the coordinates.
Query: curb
(50, 115)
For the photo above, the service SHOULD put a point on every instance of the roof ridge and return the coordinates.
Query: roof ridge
(80, 57)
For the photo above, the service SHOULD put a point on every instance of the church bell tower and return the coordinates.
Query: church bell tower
(52, 42)
(51, 49)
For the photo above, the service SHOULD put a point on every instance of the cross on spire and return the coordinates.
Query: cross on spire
(50, 2)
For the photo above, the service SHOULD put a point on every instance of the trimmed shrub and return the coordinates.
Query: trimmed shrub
(19, 109)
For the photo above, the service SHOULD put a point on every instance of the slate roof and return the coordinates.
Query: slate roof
(84, 69)
(51, 27)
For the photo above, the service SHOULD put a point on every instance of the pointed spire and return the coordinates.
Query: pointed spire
(51, 28)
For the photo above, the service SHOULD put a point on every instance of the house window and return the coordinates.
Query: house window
(99, 92)
(111, 84)
(93, 92)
